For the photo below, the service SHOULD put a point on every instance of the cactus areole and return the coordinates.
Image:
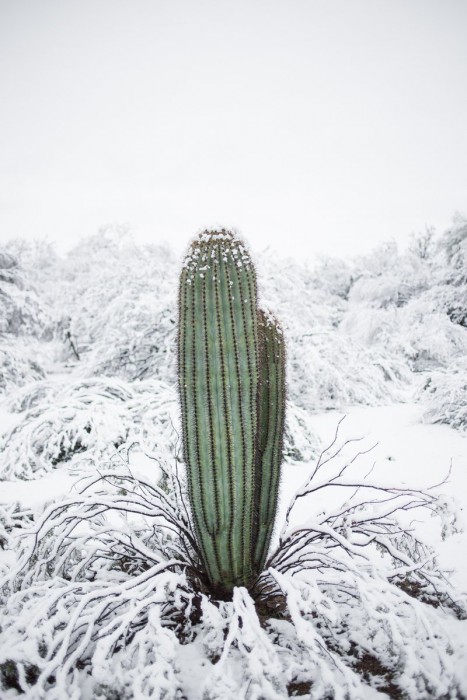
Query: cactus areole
(232, 391)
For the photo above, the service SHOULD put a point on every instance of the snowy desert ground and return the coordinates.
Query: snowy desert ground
(97, 600)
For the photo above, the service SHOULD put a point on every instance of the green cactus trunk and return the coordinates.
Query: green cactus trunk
(231, 379)
(271, 432)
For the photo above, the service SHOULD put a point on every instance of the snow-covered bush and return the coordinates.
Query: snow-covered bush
(446, 299)
(444, 393)
(325, 368)
(411, 335)
(22, 311)
(37, 260)
(334, 276)
(454, 246)
(144, 349)
(25, 319)
(12, 519)
(387, 277)
(106, 597)
(428, 339)
(65, 424)
(411, 305)
(330, 370)
(379, 292)
(121, 300)
(395, 285)
(295, 294)
(89, 419)
(18, 363)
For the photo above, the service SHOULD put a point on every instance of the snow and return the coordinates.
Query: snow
(102, 598)
(407, 451)
(36, 493)
(410, 452)
(7, 419)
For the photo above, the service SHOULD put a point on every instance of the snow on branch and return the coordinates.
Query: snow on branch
(370, 529)
(444, 393)
(108, 593)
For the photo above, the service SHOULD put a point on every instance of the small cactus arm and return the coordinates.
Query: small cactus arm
(219, 388)
(271, 408)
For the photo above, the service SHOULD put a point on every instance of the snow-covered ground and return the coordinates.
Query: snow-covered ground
(405, 452)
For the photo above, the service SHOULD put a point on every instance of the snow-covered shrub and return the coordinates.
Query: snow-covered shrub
(387, 278)
(454, 246)
(18, 363)
(330, 370)
(89, 419)
(382, 259)
(334, 276)
(141, 349)
(132, 563)
(447, 299)
(378, 292)
(407, 305)
(22, 311)
(422, 246)
(444, 393)
(25, 317)
(121, 300)
(370, 326)
(325, 368)
(66, 424)
(37, 259)
(12, 519)
(429, 339)
(295, 294)
(105, 597)
(392, 288)
(413, 334)
(31, 395)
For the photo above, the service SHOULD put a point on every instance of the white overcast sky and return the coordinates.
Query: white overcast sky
(309, 125)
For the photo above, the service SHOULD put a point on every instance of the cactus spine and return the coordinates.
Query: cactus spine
(231, 381)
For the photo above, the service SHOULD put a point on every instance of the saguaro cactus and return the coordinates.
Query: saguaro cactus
(231, 380)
